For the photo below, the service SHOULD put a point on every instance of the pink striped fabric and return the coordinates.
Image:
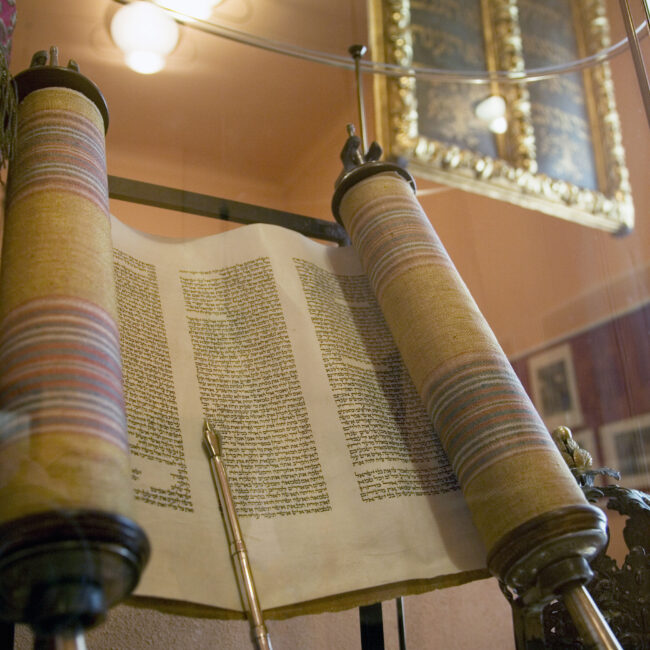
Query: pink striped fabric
(387, 233)
(59, 151)
(482, 414)
(476, 402)
(61, 371)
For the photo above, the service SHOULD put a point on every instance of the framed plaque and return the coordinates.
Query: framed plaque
(561, 151)
(554, 387)
(626, 448)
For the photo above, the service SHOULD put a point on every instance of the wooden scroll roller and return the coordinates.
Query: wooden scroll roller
(68, 546)
(537, 526)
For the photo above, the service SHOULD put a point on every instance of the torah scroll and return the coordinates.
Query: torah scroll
(64, 432)
(68, 546)
(513, 478)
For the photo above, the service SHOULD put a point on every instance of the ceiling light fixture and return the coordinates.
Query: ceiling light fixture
(492, 111)
(201, 9)
(146, 35)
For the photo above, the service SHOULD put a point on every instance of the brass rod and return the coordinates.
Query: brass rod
(357, 51)
(592, 626)
(637, 55)
(238, 551)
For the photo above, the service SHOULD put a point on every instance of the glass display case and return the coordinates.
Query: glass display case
(246, 121)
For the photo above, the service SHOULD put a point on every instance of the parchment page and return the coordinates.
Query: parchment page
(339, 481)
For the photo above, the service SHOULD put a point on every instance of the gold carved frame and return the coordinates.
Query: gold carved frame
(512, 175)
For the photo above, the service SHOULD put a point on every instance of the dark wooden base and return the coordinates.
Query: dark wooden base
(567, 538)
(63, 569)
(39, 75)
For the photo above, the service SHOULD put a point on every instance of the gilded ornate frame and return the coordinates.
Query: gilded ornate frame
(515, 178)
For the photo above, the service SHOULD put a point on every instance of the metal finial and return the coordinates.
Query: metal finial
(357, 51)
(39, 58)
(54, 55)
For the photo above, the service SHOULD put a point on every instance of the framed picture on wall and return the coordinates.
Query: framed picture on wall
(626, 448)
(554, 145)
(554, 387)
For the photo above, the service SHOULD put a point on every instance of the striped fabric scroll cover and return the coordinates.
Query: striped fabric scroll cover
(500, 449)
(62, 425)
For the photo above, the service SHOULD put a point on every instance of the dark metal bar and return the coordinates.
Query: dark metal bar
(357, 51)
(528, 625)
(372, 627)
(401, 623)
(6, 634)
(159, 196)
